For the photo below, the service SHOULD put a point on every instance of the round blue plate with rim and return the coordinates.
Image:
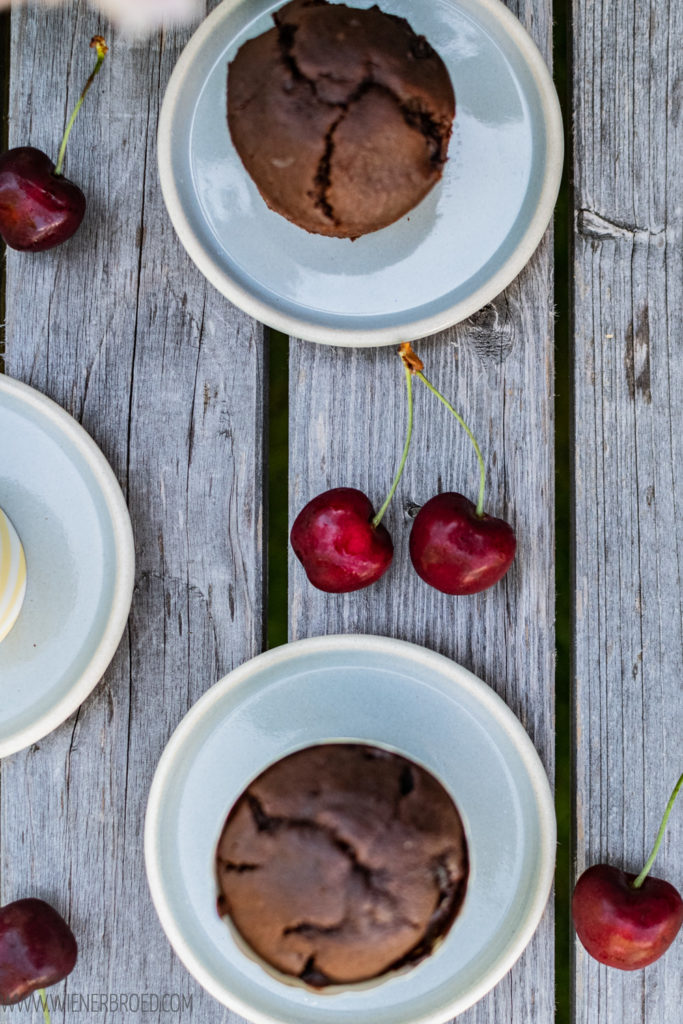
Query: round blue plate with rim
(366, 689)
(453, 253)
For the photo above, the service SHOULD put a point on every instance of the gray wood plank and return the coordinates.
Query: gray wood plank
(628, 421)
(168, 377)
(347, 424)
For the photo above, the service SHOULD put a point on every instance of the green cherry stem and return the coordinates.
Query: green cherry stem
(482, 467)
(636, 884)
(399, 473)
(98, 44)
(43, 1000)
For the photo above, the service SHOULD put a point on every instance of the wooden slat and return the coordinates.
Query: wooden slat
(121, 330)
(628, 381)
(347, 424)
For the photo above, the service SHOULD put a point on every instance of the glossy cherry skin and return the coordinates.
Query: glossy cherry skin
(455, 550)
(38, 209)
(621, 926)
(37, 949)
(335, 541)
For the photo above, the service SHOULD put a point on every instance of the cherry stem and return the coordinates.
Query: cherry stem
(43, 1000)
(660, 835)
(99, 45)
(482, 467)
(399, 473)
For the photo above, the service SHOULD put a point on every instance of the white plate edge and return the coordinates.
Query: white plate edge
(125, 565)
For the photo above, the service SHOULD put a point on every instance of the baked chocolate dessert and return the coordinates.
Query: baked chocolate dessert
(341, 116)
(342, 862)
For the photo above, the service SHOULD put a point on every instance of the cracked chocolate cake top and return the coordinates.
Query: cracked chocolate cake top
(341, 116)
(342, 862)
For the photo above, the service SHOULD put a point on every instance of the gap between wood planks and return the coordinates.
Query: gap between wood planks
(562, 35)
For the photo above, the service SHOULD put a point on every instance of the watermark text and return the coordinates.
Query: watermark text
(107, 1002)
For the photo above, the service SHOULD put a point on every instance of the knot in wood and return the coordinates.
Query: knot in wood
(490, 332)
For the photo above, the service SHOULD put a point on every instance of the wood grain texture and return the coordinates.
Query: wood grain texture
(628, 509)
(347, 425)
(120, 329)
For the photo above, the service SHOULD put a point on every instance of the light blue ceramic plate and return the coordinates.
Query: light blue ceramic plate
(447, 258)
(66, 505)
(386, 692)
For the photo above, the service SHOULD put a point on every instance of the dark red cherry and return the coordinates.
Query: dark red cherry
(336, 542)
(37, 949)
(457, 551)
(38, 208)
(621, 926)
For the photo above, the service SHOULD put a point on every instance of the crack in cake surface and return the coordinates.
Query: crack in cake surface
(415, 116)
(345, 878)
(270, 823)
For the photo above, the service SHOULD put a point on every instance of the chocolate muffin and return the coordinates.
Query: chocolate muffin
(342, 862)
(341, 116)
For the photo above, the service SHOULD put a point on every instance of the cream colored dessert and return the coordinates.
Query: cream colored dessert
(12, 575)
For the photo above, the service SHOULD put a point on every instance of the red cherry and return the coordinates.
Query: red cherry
(38, 208)
(621, 926)
(457, 551)
(336, 542)
(37, 949)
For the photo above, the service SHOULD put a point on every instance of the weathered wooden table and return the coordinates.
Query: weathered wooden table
(172, 382)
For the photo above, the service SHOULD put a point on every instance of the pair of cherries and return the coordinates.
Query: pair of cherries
(454, 546)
